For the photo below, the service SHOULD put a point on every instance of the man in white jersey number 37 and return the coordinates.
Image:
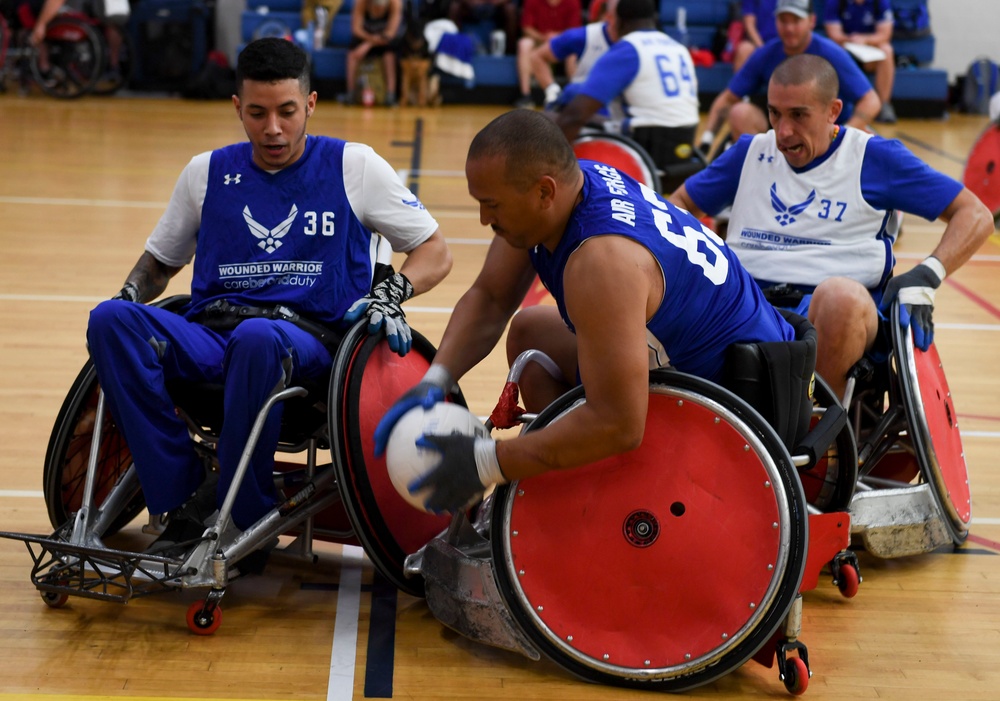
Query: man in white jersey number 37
(814, 214)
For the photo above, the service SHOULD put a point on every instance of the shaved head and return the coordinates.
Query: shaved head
(531, 145)
(806, 68)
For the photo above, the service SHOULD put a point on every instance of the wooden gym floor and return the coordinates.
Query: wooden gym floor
(81, 186)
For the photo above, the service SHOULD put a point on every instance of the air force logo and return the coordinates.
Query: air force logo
(787, 214)
(269, 238)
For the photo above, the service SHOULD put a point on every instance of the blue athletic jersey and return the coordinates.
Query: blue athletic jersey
(831, 217)
(268, 239)
(756, 72)
(709, 300)
(763, 11)
(858, 18)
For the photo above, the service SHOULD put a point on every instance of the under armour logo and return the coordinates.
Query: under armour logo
(269, 237)
(786, 214)
(761, 157)
(234, 179)
(415, 203)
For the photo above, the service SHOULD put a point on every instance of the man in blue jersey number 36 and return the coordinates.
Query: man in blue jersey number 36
(285, 229)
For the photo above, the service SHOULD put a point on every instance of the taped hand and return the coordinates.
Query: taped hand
(130, 292)
(915, 291)
(383, 309)
(468, 467)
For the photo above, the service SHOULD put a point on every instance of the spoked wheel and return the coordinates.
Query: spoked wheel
(72, 49)
(69, 447)
(666, 567)
(118, 62)
(202, 619)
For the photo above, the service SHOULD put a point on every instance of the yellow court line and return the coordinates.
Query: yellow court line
(78, 697)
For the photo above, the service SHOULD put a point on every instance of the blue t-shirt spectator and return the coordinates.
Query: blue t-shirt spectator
(858, 17)
(763, 12)
(755, 74)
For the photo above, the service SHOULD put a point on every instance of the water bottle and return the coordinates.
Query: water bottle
(682, 26)
(367, 94)
(319, 31)
(498, 42)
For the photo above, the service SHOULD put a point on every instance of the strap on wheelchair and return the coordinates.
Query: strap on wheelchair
(220, 315)
(785, 295)
(776, 379)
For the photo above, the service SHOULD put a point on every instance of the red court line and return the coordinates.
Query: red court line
(974, 297)
(985, 542)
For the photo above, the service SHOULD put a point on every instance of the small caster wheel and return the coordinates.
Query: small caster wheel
(201, 621)
(54, 599)
(848, 580)
(796, 676)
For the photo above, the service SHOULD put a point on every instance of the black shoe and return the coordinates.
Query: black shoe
(181, 532)
(187, 522)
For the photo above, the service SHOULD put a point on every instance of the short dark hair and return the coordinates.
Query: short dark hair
(805, 68)
(272, 59)
(635, 10)
(532, 146)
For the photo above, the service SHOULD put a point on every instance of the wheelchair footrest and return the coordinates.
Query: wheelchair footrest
(462, 594)
(898, 522)
(97, 573)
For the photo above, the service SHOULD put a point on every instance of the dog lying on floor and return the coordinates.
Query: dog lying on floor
(417, 85)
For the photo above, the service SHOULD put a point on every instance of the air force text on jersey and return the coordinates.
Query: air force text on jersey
(248, 276)
(621, 210)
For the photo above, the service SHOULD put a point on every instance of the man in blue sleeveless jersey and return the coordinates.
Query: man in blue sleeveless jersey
(795, 22)
(284, 225)
(814, 208)
(653, 79)
(638, 283)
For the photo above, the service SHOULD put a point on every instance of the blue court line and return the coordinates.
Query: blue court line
(933, 149)
(381, 657)
(381, 640)
(417, 146)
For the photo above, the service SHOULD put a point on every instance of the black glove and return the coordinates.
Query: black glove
(130, 292)
(383, 308)
(468, 467)
(432, 389)
(915, 290)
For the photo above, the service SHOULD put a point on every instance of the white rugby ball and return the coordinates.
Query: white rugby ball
(406, 461)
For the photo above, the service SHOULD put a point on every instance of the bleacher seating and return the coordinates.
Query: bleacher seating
(919, 90)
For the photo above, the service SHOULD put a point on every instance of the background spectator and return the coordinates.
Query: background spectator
(375, 26)
(542, 20)
(758, 29)
(855, 24)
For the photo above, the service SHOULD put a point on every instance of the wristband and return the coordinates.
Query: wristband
(439, 376)
(936, 265)
(707, 137)
(487, 465)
